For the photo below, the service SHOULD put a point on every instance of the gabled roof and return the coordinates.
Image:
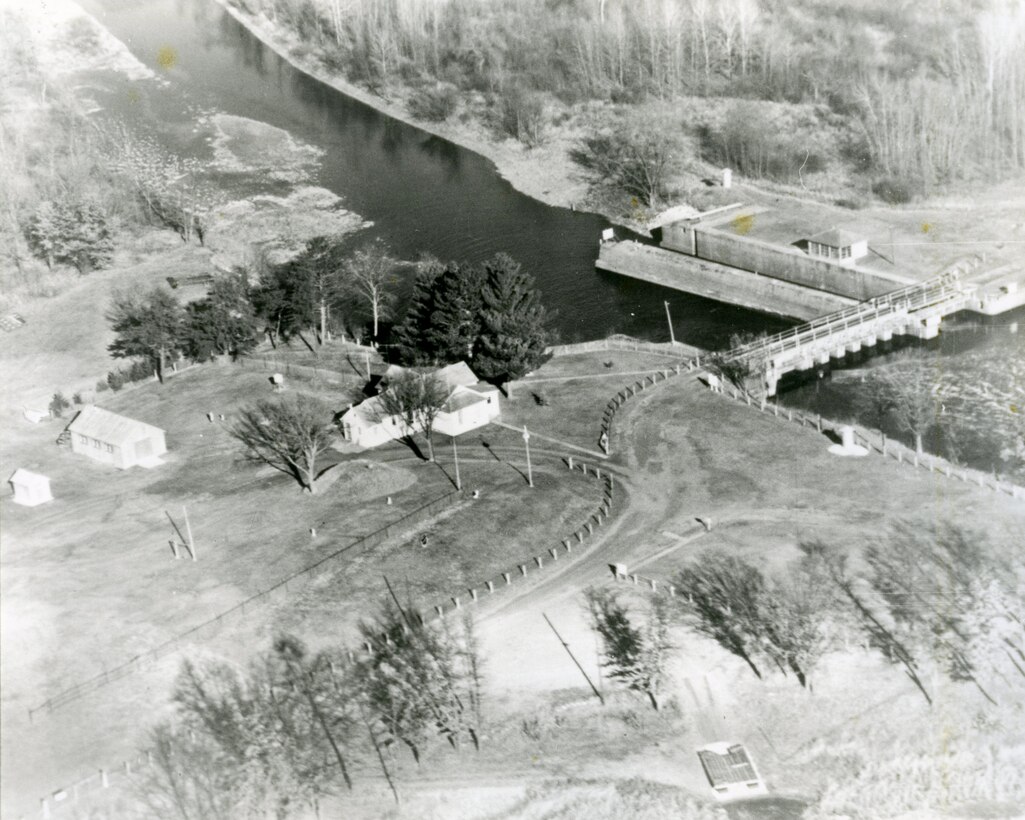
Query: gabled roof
(451, 375)
(110, 428)
(836, 238)
(23, 476)
(369, 411)
(463, 397)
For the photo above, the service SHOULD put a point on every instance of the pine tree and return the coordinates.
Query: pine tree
(152, 327)
(411, 335)
(513, 337)
(77, 235)
(224, 322)
(455, 320)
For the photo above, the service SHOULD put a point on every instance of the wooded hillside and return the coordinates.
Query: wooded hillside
(933, 92)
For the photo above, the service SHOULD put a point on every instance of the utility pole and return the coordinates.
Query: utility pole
(672, 336)
(526, 443)
(455, 456)
(565, 646)
(188, 529)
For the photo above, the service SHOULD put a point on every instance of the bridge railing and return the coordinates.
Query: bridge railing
(937, 291)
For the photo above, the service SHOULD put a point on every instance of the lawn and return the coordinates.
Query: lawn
(90, 580)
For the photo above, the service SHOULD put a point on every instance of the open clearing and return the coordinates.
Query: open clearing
(91, 582)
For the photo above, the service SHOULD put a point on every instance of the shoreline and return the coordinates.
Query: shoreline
(553, 183)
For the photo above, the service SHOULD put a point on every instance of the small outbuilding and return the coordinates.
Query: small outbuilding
(730, 771)
(30, 489)
(837, 245)
(117, 440)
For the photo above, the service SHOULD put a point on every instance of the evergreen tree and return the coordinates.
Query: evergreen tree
(152, 327)
(77, 235)
(455, 321)
(513, 337)
(411, 335)
(224, 322)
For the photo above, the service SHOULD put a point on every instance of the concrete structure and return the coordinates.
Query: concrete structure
(717, 281)
(116, 440)
(30, 489)
(914, 311)
(730, 771)
(769, 243)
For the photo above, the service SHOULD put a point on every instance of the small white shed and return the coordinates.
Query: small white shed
(30, 489)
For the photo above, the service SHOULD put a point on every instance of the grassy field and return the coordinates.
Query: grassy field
(90, 581)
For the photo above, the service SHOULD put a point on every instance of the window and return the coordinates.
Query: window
(83, 440)
(110, 448)
(96, 443)
(845, 253)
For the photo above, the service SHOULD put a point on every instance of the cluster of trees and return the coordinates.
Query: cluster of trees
(490, 314)
(326, 285)
(275, 739)
(932, 599)
(893, 71)
(157, 329)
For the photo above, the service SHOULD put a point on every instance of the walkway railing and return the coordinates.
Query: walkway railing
(942, 294)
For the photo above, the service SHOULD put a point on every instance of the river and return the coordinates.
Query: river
(421, 192)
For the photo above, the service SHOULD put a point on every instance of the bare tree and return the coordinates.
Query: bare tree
(413, 682)
(638, 158)
(417, 399)
(907, 392)
(633, 656)
(289, 434)
(371, 270)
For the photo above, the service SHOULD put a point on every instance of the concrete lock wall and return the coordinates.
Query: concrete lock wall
(770, 260)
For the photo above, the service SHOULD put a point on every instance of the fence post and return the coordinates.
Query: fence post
(508, 578)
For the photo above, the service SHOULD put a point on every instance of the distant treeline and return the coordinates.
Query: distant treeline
(937, 89)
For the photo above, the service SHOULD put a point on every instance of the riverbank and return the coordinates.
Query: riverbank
(62, 66)
(544, 173)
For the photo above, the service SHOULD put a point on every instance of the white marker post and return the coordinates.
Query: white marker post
(672, 336)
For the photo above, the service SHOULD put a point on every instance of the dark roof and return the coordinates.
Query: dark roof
(731, 765)
(836, 238)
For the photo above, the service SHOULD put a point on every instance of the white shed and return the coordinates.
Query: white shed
(30, 489)
(838, 245)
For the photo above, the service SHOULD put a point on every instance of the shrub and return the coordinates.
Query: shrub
(522, 115)
(102, 386)
(58, 404)
(758, 145)
(115, 380)
(434, 104)
(77, 398)
(896, 190)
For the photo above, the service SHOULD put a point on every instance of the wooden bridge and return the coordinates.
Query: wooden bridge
(915, 310)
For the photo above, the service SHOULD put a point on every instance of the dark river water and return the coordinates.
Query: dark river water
(422, 193)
